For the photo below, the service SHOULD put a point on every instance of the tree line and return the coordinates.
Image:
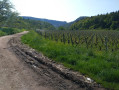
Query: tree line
(108, 21)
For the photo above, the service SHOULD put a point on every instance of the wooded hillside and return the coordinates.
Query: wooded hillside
(105, 21)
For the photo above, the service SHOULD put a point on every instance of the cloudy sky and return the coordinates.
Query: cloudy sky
(64, 10)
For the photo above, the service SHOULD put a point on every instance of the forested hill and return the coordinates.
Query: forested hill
(20, 23)
(53, 22)
(67, 26)
(105, 21)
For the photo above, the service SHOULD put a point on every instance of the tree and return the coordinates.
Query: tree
(11, 20)
(114, 25)
(5, 10)
(61, 28)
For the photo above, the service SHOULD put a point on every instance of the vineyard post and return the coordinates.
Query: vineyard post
(45, 35)
(63, 38)
(106, 41)
(86, 42)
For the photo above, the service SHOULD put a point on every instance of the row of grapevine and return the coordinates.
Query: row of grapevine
(101, 40)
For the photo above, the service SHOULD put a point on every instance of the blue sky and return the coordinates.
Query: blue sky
(64, 10)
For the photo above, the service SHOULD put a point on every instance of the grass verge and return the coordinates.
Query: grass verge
(103, 67)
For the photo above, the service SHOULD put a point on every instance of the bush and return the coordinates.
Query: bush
(2, 33)
(9, 31)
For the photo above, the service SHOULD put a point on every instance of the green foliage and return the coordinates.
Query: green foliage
(6, 12)
(99, 65)
(5, 9)
(61, 28)
(114, 25)
(21, 23)
(2, 33)
(107, 21)
(9, 31)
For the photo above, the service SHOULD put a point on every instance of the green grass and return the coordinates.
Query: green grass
(101, 66)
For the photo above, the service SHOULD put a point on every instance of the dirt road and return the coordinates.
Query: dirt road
(14, 75)
(17, 75)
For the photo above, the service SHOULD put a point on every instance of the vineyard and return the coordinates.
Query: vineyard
(93, 53)
(99, 40)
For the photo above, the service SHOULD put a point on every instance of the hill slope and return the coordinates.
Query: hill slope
(67, 26)
(53, 22)
(106, 21)
(28, 24)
